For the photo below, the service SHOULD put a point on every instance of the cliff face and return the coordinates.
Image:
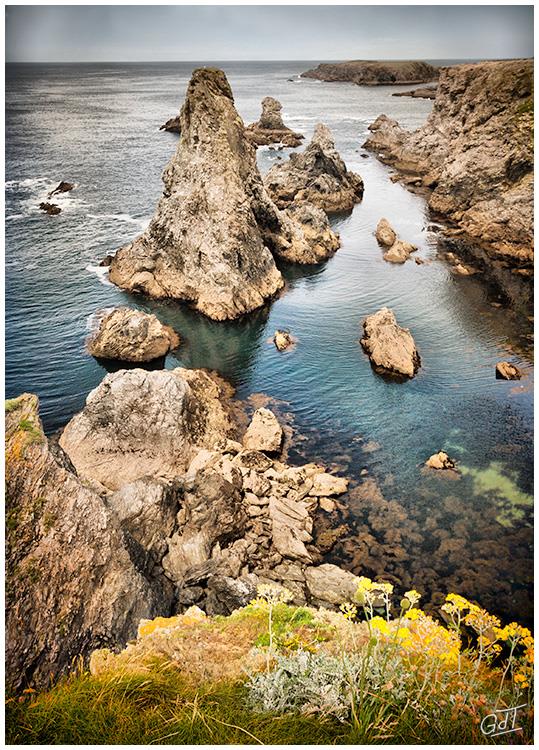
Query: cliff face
(72, 577)
(475, 155)
(374, 73)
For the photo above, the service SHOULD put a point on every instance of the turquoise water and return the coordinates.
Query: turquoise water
(98, 125)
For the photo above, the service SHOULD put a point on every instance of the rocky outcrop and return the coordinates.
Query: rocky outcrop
(264, 432)
(50, 208)
(172, 125)
(440, 461)
(138, 423)
(318, 175)
(131, 336)
(215, 230)
(73, 575)
(507, 371)
(323, 242)
(63, 187)
(426, 92)
(270, 128)
(474, 157)
(398, 250)
(391, 349)
(282, 340)
(374, 73)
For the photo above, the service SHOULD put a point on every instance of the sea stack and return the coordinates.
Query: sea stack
(270, 128)
(318, 176)
(215, 229)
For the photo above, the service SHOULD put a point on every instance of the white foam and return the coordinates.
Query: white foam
(142, 223)
(92, 321)
(102, 273)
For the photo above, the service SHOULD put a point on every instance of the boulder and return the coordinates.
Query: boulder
(270, 128)
(291, 528)
(385, 234)
(329, 584)
(326, 485)
(131, 336)
(226, 594)
(172, 125)
(282, 340)
(323, 242)
(213, 236)
(398, 251)
(264, 432)
(50, 208)
(391, 348)
(440, 461)
(73, 579)
(138, 423)
(63, 187)
(318, 176)
(507, 371)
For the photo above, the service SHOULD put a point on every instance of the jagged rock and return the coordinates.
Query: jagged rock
(147, 508)
(270, 128)
(138, 423)
(440, 461)
(391, 348)
(106, 261)
(264, 432)
(74, 581)
(385, 234)
(50, 208)
(326, 485)
(63, 187)
(318, 176)
(475, 156)
(398, 251)
(172, 125)
(131, 336)
(282, 340)
(507, 371)
(227, 594)
(322, 240)
(212, 513)
(373, 73)
(329, 584)
(211, 239)
(291, 527)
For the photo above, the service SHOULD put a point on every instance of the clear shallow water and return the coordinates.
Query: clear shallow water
(97, 125)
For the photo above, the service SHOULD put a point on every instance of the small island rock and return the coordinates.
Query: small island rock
(131, 336)
(440, 461)
(282, 340)
(50, 208)
(507, 371)
(398, 250)
(63, 187)
(391, 349)
(270, 128)
(385, 234)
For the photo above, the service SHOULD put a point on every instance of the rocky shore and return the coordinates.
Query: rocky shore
(374, 73)
(474, 159)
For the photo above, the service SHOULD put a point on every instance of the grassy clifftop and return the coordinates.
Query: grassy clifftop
(274, 673)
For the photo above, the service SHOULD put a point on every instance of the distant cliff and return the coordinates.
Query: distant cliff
(374, 73)
(474, 154)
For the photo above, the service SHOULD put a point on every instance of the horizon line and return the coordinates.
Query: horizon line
(283, 60)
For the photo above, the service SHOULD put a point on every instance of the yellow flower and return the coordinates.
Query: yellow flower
(404, 634)
(349, 610)
(413, 614)
(413, 597)
(380, 624)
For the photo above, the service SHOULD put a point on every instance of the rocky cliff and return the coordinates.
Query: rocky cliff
(474, 156)
(374, 73)
(212, 239)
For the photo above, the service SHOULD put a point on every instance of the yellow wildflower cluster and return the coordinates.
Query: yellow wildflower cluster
(271, 594)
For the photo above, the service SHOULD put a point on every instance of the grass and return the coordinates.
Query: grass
(11, 404)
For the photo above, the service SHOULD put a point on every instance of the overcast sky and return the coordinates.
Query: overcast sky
(316, 32)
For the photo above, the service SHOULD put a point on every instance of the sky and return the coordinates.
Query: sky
(140, 33)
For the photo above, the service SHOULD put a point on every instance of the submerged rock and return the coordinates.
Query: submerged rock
(138, 423)
(391, 348)
(318, 176)
(282, 340)
(50, 208)
(270, 128)
(73, 576)
(131, 336)
(215, 228)
(440, 461)
(475, 156)
(264, 432)
(507, 371)
(63, 187)
(172, 125)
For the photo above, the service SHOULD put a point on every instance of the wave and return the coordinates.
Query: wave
(102, 273)
(92, 321)
(142, 223)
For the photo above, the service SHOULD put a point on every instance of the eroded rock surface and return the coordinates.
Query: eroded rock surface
(318, 175)
(374, 73)
(138, 423)
(264, 432)
(131, 336)
(270, 128)
(73, 575)
(474, 156)
(391, 348)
